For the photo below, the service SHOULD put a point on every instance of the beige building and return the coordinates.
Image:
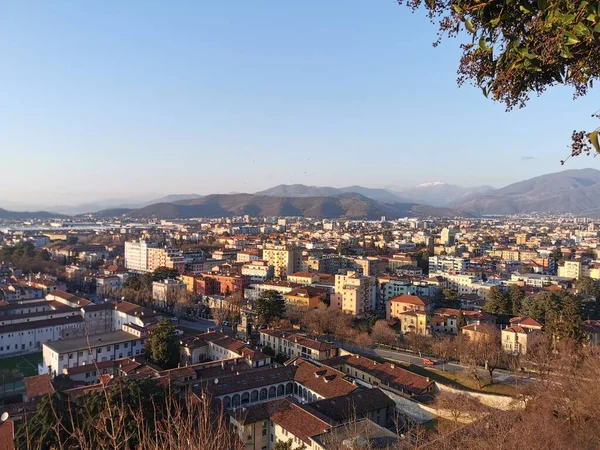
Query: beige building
(573, 269)
(285, 259)
(516, 337)
(303, 278)
(405, 303)
(354, 293)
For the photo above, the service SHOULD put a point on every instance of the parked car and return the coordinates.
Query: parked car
(431, 362)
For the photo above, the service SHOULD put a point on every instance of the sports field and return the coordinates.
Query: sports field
(20, 366)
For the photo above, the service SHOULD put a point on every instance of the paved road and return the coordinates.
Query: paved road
(500, 376)
(202, 325)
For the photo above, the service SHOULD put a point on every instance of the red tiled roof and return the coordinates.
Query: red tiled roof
(409, 299)
(38, 385)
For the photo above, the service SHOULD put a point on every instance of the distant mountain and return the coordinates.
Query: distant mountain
(351, 206)
(170, 199)
(571, 191)
(301, 190)
(443, 194)
(25, 215)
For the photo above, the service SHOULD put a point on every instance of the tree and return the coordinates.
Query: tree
(382, 333)
(522, 47)
(163, 273)
(450, 297)
(497, 302)
(489, 352)
(516, 297)
(162, 346)
(287, 445)
(270, 306)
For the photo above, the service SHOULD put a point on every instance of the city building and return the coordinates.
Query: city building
(355, 294)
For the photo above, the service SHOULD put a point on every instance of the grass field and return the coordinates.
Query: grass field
(20, 366)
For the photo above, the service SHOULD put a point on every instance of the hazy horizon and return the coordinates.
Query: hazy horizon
(109, 100)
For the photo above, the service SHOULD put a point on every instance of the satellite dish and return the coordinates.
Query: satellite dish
(4, 417)
(216, 382)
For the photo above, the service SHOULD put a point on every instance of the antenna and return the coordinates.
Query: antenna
(4, 417)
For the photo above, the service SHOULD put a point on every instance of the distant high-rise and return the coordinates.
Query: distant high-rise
(448, 235)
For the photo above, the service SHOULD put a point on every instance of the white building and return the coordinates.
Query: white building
(258, 271)
(58, 356)
(442, 264)
(136, 255)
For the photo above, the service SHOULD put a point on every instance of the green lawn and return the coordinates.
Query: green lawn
(20, 366)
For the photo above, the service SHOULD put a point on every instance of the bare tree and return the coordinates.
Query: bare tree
(382, 333)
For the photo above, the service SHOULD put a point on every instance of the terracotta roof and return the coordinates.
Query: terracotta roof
(409, 299)
(353, 405)
(303, 274)
(526, 322)
(324, 381)
(7, 435)
(297, 419)
(70, 298)
(387, 373)
(38, 385)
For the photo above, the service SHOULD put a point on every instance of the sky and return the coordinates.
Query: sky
(141, 98)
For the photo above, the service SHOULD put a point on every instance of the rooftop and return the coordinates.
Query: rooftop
(97, 340)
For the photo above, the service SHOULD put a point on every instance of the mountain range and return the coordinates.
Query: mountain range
(568, 192)
(346, 205)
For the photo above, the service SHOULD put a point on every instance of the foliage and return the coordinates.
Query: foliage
(497, 302)
(163, 273)
(162, 346)
(28, 258)
(270, 306)
(287, 445)
(560, 312)
(460, 320)
(516, 297)
(520, 47)
(450, 297)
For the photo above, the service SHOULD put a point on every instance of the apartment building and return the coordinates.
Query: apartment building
(440, 264)
(292, 344)
(573, 269)
(143, 256)
(136, 255)
(303, 278)
(355, 294)
(258, 271)
(167, 289)
(285, 259)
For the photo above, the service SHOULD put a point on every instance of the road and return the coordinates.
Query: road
(500, 376)
(202, 325)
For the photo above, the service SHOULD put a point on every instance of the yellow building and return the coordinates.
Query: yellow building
(303, 278)
(354, 293)
(285, 259)
(305, 296)
(418, 322)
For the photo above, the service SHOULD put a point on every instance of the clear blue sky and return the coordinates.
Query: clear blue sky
(124, 98)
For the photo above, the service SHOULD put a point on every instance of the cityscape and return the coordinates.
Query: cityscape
(282, 226)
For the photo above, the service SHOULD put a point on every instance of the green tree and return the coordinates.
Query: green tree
(566, 322)
(270, 306)
(162, 273)
(516, 297)
(587, 286)
(51, 426)
(522, 47)
(450, 297)
(162, 346)
(460, 320)
(498, 302)
(287, 445)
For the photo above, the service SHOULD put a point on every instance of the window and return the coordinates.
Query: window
(70, 355)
